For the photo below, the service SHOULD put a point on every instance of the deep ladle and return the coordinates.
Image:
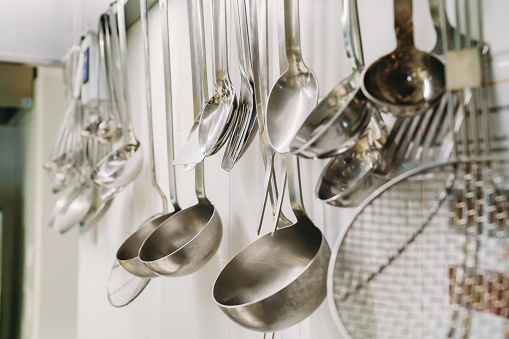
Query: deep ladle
(127, 254)
(407, 81)
(188, 239)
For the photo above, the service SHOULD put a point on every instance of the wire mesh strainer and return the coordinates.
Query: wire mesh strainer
(427, 254)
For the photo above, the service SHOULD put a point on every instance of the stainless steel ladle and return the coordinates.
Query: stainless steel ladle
(407, 81)
(127, 254)
(187, 240)
(280, 279)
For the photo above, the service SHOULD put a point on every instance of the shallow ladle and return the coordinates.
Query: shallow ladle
(295, 94)
(407, 81)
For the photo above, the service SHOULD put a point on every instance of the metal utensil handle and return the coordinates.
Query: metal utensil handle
(148, 99)
(163, 9)
(240, 43)
(244, 32)
(294, 184)
(220, 40)
(199, 75)
(351, 34)
(403, 23)
(292, 31)
(260, 61)
(123, 68)
(106, 52)
(114, 77)
(78, 80)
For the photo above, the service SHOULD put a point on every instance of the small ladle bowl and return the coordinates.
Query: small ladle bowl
(408, 81)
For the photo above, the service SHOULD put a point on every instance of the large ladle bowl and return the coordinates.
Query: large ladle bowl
(278, 280)
(270, 285)
(408, 81)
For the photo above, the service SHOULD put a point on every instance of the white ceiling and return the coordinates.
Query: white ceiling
(40, 32)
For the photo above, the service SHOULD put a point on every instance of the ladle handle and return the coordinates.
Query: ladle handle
(123, 71)
(292, 32)
(199, 75)
(403, 23)
(352, 34)
(219, 38)
(294, 185)
(105, 46)
(148, 99)
(163, 9)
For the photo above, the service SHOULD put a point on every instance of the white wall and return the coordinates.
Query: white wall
(50, 284)
(183, 307)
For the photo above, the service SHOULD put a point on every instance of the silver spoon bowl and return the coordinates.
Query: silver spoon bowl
(295, 94)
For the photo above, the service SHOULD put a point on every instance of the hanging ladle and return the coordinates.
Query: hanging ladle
(342, 116)
(127, 254)
(280, 279)
(219, 114)
(295, 94)
(123, 165)
(407, 81)
(187, 240)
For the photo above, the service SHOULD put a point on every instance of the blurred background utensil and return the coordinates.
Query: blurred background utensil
(408, 81)
(122, 165)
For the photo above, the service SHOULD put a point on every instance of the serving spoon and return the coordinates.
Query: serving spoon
(295, 94)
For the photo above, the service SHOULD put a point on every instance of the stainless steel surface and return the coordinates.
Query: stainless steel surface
(246, 125)
(407, 81)
(341, 117)
(188, 239)
(220, 112)
(122, 166)
(278, 280)
(295, 94)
